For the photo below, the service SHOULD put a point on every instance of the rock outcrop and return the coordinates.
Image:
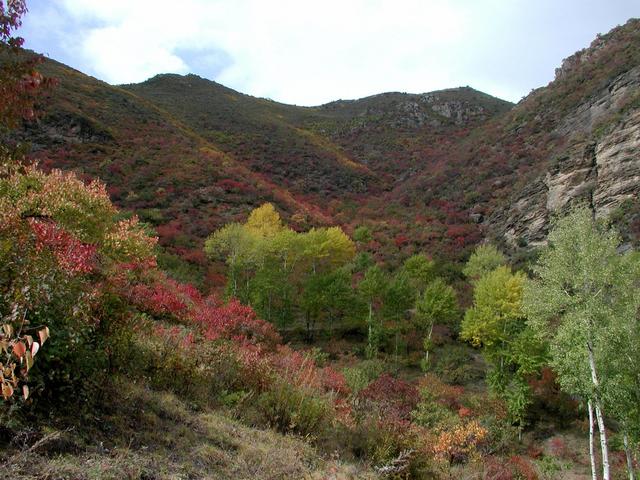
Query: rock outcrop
(600, 166)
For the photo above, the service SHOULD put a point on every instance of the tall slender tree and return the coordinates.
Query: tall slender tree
(584, 295)
(372, 288)
(437, 304)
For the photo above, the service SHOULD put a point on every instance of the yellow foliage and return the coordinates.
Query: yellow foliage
(265, 221)
(497, 302)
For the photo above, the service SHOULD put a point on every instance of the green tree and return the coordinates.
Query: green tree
(419, 271)
(372, 288)
(484, 259)
(584, 299)
(239, 248)
(362, 261)
(496, 322)
(282, 273)
(437, 304)
(399, 297)
(362, 234)
(327, 297)
(265, 221)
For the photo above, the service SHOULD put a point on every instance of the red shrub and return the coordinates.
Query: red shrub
(549, 396)
(559, 448)
(401, 240)
(334, 381)
(522, 468)
(234, 321)
(73, 256)
(394, 398)
(448, 395)
(158, 299)
(495, 469)
(169, 231)
(302, 371)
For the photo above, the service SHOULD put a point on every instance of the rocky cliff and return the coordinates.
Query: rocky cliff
(599, 163)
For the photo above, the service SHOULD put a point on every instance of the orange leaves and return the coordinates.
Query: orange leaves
(459, 443)
(19, 349)
(7, 390)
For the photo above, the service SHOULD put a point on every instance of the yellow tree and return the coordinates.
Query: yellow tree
(265, 221)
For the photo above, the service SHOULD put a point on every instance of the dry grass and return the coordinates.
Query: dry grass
(149, 435)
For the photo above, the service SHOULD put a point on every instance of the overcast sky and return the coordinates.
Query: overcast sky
(311, 52)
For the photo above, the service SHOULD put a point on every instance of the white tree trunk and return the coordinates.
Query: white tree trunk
(370, 325)
(603, 442)
(592, 453)
(606, 475)
(426, 356)
(627, 450)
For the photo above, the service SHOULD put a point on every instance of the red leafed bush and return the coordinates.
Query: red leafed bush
(72, 255)
(169, 231)
(523, 468)
(401, 240)
(302, 371)
(550, 398)
(495, 469)
(448, 395)
(233, 186)
(394, 398)
(159, 299)
(234, 321)
(334, 381)
(515, 468)
(255, 368)
(560, 449)
(296, 367)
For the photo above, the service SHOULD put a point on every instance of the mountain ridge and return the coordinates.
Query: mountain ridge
(442, 169)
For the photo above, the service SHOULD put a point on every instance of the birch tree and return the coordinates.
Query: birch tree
(372, 288)
(581, 299)
(437, 304)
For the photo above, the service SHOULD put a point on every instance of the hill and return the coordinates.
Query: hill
(575, 139)
(140, 374)
(435, 171)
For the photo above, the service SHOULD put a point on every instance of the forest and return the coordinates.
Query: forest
(317, 350)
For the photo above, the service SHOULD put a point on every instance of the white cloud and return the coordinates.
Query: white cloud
(309, 52)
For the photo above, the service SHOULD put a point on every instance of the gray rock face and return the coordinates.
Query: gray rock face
(587, 115)
(617, 158)
(459, 111)
(600, 166)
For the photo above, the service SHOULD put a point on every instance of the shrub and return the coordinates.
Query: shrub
(394, 399)
(290, 408)
(356, 379)
(454, 364)
(58, 239)
(460, 443)
(234, 321)
(432, 413)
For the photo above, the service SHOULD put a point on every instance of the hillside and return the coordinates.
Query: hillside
(435, 171)
(574, 139)
(309, 293)
(188, 155)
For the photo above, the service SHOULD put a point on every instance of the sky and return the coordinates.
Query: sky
(309, 52)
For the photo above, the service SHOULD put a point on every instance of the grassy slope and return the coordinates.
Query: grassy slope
(145, 434)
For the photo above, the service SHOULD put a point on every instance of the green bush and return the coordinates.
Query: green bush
(361, 375)
(454, 364)
(289, 408)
